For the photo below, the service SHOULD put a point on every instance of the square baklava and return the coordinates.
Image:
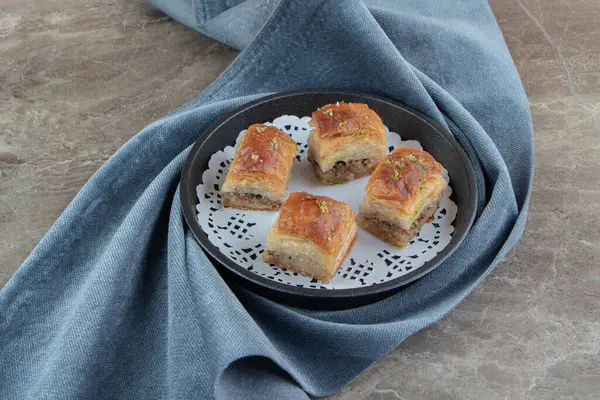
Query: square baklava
(259, 173)
(403, 193)
(312, 235)
(347, 142)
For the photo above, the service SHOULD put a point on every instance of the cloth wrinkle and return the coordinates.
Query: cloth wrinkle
(118, 300)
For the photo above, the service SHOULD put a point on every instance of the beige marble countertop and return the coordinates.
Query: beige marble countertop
(79, 78)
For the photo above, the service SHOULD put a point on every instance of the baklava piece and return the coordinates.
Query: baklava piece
(259, 173)
(347, 142)
(312, 235)
(403, 193)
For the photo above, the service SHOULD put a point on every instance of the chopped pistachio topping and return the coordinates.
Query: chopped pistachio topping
(411, 157)
(329, 112)
(399, 164)
(388, 161)
(342, 124)
(323, 206)
(395, 175)
(260, 129)
(275, 141)
(361, 133)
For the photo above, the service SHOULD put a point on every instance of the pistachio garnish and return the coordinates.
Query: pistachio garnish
(395, 175)
(323, 206)
(328, 113)
(260, 129)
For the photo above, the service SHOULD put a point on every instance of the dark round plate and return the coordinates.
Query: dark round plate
(410, 124)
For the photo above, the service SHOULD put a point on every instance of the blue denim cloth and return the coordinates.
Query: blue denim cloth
(119, 301)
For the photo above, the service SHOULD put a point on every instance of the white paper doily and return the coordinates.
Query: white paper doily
(241, 235)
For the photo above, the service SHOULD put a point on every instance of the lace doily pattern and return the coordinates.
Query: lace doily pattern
(241, 235)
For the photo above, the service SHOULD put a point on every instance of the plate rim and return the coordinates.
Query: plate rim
(281, 289)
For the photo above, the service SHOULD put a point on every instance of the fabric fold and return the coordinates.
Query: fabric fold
(119, 301)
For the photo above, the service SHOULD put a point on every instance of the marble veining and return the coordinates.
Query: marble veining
(78, 79)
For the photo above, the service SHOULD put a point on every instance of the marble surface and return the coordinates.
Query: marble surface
(78, 79)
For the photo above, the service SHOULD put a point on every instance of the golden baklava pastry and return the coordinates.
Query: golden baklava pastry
(347, 142)
(312, 235)
(403, 193)
(259, 173)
